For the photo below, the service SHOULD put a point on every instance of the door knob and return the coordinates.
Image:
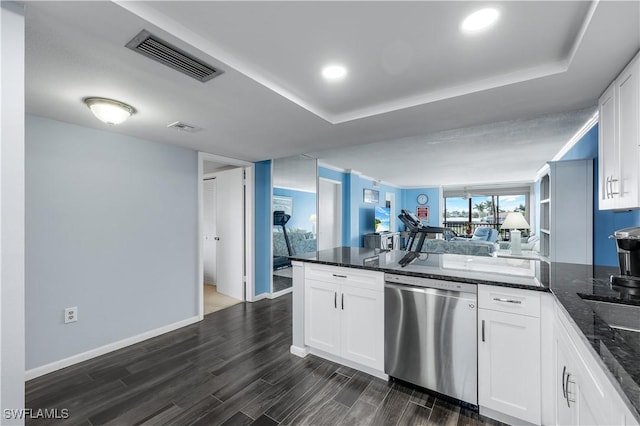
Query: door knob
(216, 238)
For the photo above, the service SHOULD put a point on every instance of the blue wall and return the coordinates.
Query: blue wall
(364, 213)
(304, 205)
(262, 249)
(358, 216)
(410, 203)
(605, 222)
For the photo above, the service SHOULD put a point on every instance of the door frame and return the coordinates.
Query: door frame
(249, 227)
(338, 186)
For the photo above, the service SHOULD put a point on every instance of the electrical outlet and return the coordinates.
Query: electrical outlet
(71, 315)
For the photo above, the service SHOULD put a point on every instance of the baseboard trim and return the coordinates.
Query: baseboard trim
(501, 417)
(339, 360)
(259, 297)
(102, 350)
(280, 293)
(298, 351)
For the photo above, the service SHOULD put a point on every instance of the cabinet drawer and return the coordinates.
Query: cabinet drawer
(356, 277)
(514, 300)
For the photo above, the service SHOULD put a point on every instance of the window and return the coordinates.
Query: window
(487, 208)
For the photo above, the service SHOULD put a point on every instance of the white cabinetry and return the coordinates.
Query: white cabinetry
(344, 314)
(566, 212)
(584, 395)
(619, 141)
(509, 353)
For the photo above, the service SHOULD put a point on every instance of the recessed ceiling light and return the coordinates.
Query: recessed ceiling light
(334, 72)
(479, 21)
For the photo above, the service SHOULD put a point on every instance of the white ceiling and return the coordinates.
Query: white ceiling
(411, 76)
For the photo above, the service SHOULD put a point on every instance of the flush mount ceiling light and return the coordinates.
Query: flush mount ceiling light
(479, 21)
(334, 72)
(108, 110)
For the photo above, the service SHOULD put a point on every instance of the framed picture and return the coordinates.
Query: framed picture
(283, 203)
(423, 213)
(371, 196)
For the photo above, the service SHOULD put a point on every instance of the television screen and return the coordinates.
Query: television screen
(382, 219)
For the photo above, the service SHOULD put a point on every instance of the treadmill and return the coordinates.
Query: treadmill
(418, 229)
(280, 218)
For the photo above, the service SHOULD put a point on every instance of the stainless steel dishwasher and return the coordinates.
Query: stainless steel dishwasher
(430, 334)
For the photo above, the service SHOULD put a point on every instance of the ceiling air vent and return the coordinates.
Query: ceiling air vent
(159, 50)
(184, 127)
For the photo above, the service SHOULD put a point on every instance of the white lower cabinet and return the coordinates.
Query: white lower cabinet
(509, 352)
(344, 316)
(584, 394)
(580, 393)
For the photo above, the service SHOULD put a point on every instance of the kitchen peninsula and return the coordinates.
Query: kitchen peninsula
(544, 355)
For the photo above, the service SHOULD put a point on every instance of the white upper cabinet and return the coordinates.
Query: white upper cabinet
(607, 148)
(619, 141)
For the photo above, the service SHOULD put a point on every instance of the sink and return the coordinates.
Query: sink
(617, 315)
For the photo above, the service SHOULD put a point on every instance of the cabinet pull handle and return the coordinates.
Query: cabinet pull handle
(483, 330)
(335, 299)
(343, 301)
(564, 391)
(607, 188)
(339, 276)
(568, 400)
(500, 299)
(612, 191)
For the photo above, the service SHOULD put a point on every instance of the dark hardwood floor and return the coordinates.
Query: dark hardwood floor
(233, 368)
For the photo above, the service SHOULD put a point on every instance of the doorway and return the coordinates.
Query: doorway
(225, 190)
(329, 214)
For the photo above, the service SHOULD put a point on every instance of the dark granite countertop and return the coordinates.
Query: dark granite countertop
(508, 272)
(576, 287)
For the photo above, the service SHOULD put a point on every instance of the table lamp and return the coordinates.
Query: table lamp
(515, 221)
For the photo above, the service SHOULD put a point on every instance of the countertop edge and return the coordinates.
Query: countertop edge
(425, 275)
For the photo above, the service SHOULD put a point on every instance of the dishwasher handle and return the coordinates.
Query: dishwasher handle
(501, 299)
(464, 293)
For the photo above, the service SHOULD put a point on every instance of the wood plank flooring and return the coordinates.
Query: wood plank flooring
(233, 368)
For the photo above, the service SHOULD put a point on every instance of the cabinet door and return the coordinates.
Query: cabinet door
(607, 149)
(628, 109)
(322, 316)
(509, 364)
(566, 389)
(362, 326)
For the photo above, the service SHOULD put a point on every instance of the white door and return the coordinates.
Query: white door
(330, 214)
(209, 230)
(230, 233)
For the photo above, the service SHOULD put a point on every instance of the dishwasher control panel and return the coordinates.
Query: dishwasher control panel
(430, 283)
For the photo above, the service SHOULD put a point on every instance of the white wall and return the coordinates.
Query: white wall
(12, 312)
(111, 227)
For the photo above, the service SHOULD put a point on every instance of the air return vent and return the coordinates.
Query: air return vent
(159, 50)
(184, 127)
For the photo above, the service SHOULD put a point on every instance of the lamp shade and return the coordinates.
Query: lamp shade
(109, 110)
(515, 220)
